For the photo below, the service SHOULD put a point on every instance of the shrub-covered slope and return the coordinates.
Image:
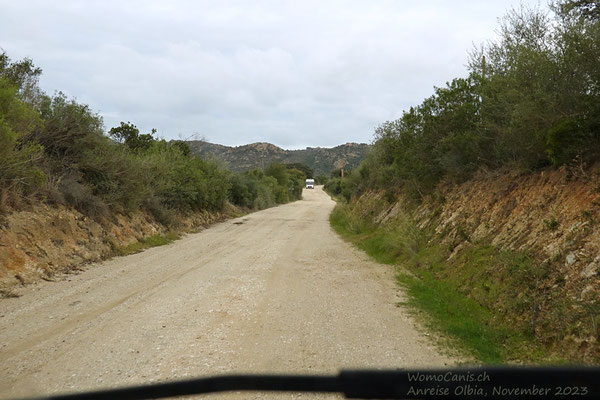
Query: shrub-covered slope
(58, 166)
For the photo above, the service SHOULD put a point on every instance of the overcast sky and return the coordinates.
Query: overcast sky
(293, 73)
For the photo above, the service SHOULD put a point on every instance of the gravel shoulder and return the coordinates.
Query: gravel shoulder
(275, 291)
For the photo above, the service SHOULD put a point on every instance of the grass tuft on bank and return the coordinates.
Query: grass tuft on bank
(152, 241)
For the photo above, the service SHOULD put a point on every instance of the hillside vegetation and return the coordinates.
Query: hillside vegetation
(72, 193)
(54, 150)
(487, 192)
(257, 155)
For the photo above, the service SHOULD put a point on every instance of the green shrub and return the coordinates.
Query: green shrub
(19, 160)
(260, 189)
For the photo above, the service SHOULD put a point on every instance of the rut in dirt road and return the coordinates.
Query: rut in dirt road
(274, 291)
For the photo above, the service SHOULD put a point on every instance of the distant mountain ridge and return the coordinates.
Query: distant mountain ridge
(258, 155)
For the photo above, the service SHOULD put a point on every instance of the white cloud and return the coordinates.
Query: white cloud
(309, 73)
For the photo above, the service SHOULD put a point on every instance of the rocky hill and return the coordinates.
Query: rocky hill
(257, 155)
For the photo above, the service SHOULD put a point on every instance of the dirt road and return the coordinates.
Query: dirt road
(274, 291)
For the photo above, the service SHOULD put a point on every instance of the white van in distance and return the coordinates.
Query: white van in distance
(310, 183)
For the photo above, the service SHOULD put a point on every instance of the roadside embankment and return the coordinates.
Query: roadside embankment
(507, 264)
(44, 240)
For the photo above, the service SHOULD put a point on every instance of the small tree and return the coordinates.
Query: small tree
(129, 134)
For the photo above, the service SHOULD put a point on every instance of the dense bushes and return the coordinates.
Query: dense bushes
(54, 148)
(259, 189)
(531, 100)
(354, 181)
(18, 161)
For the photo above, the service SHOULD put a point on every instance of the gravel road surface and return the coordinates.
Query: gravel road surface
(276, 291)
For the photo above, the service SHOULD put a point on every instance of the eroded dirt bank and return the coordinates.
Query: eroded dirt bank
(47, 240)
(551, 217)
(274, 291)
